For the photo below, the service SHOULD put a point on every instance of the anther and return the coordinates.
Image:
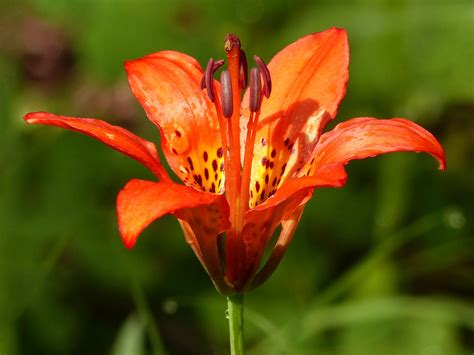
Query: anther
(206, 81)
(255, 99)
(226, 94)
(244, 69)
(267, 88)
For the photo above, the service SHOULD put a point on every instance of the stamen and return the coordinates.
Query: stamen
(226, 94)
(255, 90)
(244, 69)
(216, 65)
(208, 79)
(267, 89)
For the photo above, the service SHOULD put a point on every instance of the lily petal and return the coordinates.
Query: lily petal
(309, 80)
(261, 222)
(115, 137)
(203, 216)
(259, 227)
(141, 202)
(167, 84)
(288, 228)
(365, 137)
(329, 175)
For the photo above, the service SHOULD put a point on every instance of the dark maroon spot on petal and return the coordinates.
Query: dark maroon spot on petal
(312, 161)
(198, 179)
(286, 141)
(190, 161)
(257, 186)
(213, 188)
(264, 142)
(174, 151)
(219, 152)
(274, 181)
(206, 173)
(271, 193)
(178, 133)
(262, 196)
(222, 166)
(283, 169)
(251, 193)
(215, 176)
(214, 165)
(205, 156)
(290, 146)
(266, 179)
(272, 165)
(264, 161)
(274, 152)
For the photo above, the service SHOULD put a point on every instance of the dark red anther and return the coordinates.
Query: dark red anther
(244, 69)
(226, 94)
(267, 88)
(215, 66)
(255, 99)
(208, 79)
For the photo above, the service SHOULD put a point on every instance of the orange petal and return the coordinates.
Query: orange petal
(259, 226)
(167, 84)
(261, 222)
(288, 228)
(329, 175)
(203, 216)
(309, 80)
(141, 202)
(115, 137)
(365, 137)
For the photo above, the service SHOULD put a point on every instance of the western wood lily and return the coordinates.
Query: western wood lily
(249, 158)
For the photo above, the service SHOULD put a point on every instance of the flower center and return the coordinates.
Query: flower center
(232, 82)
(228, 103)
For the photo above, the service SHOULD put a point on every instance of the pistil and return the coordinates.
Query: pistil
(233, 172)
(228, 103)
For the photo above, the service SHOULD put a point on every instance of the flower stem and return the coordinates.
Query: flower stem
(235, 314)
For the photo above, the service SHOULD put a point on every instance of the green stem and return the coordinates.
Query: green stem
(235, 314)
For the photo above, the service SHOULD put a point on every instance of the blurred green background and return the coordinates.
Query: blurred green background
(383, 266)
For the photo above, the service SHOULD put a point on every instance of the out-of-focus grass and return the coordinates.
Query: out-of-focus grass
(383, 266)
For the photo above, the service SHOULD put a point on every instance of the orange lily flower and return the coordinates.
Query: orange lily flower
(249, 165)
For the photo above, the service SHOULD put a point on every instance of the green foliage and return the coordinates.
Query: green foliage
(383, 266)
